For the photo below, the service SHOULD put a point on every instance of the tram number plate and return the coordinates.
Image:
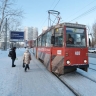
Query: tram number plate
(59, 52)
(77, 52)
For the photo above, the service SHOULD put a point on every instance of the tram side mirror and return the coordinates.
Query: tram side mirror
(52, 39)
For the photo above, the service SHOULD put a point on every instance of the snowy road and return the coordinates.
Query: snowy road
(40, 82)
(92, 62)
(80, 83)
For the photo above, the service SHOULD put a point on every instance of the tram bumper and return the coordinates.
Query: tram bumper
(83, 67)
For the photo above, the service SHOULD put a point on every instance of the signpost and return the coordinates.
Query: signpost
(25, 43)
(16, 36)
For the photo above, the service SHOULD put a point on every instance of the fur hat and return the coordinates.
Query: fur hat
(13, 48)
(27, 50)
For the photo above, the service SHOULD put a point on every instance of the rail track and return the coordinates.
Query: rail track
(92, 63)
(70, 87)
(74, 90)
(87, 77)
(91, 67)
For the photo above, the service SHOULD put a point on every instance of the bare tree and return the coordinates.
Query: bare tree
(13, 15)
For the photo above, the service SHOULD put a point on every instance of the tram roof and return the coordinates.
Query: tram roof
(76, 25)
(67, 24)
(70, 25)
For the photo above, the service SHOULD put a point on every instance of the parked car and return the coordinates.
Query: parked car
(92, 50)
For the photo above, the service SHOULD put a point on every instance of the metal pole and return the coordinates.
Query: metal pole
(48, 21)
(5, 45)
(91, 41)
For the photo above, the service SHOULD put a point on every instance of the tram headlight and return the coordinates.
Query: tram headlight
(85, 61)
(68, 62)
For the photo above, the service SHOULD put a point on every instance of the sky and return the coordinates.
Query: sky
(36, 12)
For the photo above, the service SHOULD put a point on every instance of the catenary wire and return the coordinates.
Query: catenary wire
(85, 13)
(80, 9)
(53, 9)
(45, 15)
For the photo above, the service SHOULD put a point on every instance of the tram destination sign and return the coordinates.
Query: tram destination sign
(17, 36)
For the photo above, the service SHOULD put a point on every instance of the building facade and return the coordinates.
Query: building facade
(35, 33)
(44, 29)
(31, 33)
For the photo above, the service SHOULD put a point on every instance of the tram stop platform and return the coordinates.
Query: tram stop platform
(37, 81)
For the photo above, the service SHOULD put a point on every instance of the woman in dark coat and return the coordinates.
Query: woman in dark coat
(13, 56)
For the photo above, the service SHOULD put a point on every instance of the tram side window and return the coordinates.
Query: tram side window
(48, 39)
(44, 40)
(35, 43)
(58, 37)
(83, 40)
(39, 41)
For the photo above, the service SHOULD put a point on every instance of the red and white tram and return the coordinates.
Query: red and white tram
(63, 48)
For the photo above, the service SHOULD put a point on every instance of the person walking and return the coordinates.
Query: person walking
(13, 56)
(26, 59)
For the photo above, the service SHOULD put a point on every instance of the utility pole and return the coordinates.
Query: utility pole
(91, 41)
(5, 45)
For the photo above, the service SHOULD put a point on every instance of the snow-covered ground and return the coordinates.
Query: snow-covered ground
(92, 60)
(83, 85)
(35, 82)
(40, 82)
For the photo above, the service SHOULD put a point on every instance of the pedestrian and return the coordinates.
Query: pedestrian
(13, 56)
(26, 59)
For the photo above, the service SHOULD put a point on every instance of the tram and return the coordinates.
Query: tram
(63, 48)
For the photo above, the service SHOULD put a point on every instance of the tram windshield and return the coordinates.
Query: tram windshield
(75, 37)
(58, 37)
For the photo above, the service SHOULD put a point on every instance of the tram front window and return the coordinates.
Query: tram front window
(75, 37)
(58, 37)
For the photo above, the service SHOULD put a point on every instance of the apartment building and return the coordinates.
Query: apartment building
(31, 33)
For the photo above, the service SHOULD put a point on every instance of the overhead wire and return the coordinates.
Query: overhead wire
(53, 9)
(80, 9)
(56, 4)
(88, 11)
(44, 16)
